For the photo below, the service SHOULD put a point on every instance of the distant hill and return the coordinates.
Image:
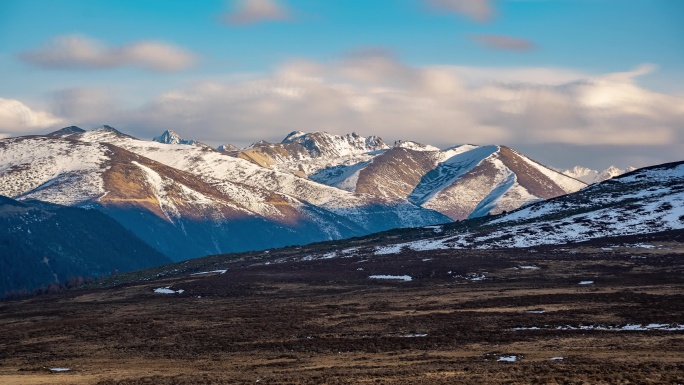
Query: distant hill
(590, 176)
(43, 243)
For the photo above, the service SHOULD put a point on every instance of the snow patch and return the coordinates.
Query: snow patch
(168, 290)
(628, 327)
(508, 358)
(395, 277)
(389, 249)
(223, 271)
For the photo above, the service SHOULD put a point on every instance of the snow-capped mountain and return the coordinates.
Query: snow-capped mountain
(172, 137)
(324, 145)
(191, 200)
(460, 182)
(67, 131)
(465, 181)
(304, 154)
(188, 201)
(590, 176)
(227, 147)
(644, 201)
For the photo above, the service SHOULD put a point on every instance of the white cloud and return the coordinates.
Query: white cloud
(85, 106)
(373, 93)
(478, 10)
(79, 52)
(534, 75)
(628, 76)
(254, 11)
(16, 118)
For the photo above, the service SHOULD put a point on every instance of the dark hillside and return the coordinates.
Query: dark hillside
(43, 244)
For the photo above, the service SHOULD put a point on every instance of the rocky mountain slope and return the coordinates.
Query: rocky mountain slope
(648, 200)
(305, 154)
(460, 182)
(171, 137)
(43, 243)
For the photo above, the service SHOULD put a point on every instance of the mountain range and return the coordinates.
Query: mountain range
(185, 199)
(645, 201)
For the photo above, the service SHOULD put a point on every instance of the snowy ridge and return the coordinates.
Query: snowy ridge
(52, 169)
(490, 202)
(448, 172)
(252, 185)
(590, 176)
(342, 176)
(324, 145)
(414, 146)
(645, 201)
(308, 154)
(442, 180)
(227, 147)
(568, 184)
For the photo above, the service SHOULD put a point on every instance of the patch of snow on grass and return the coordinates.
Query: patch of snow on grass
(628, 327)
(211, 272)
(167, 290)
(389, 249)
(435, 229)
(511, 358)
(642, 246)
(396, 277)
(427, 244)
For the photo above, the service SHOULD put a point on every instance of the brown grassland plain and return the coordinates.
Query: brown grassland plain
(316, 321)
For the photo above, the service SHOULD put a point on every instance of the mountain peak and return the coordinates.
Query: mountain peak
(411, 145)
(322, 144)
(227, 147)
(590, 176)
(293, 135)
(172, 137)
(67, 131)
(105, 127)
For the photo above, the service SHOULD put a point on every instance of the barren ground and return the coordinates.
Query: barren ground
(325, 321)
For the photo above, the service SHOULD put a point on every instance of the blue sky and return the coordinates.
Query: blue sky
(571, 39)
